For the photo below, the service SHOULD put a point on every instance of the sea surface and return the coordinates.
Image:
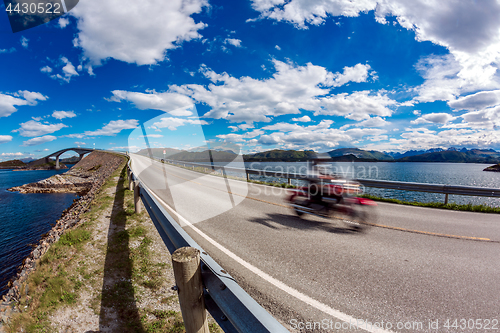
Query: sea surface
(24, 218)
(466, 174)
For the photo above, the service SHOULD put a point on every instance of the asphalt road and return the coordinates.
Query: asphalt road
(413, 271)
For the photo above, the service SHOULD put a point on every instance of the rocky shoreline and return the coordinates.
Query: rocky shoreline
(493, 168)
(85, 178)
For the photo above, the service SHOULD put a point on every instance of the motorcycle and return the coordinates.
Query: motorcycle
(333, 198)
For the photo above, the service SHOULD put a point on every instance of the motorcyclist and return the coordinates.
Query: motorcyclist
(320, 182)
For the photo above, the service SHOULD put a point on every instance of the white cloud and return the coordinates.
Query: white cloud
(357, 106)
(477, 101)
(358, 73)
(24, 42)
(135, 32)
(174, 103)
(114, 127)
(249, 100)
(68, 71)
(22, 97)
(304, 119)
(79, 143)
(63, 22)
(435, 118)
(46, 69)
(319, 137)
(63, 114)
(39, 140)
(277, 47)
(13, 154)
(34, 128)
(233, 41)
(11, 50)
(172, 123)
(5, 138)
(470, 30)
(373, 122)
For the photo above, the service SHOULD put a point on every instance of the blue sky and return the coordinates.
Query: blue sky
(388, 75)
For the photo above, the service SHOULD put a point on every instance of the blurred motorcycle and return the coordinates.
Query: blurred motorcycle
(333, 197)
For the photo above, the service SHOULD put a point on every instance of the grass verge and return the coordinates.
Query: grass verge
(107, 270)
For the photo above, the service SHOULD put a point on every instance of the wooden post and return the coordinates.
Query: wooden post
(137, 198)
(446, 199)
(187, 272)
(289, 181)
(248, 177)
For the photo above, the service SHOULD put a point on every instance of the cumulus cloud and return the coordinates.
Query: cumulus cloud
(435, 118)
(248, 100)
(11, 50)
(470, 30)
(477, 101)
(63, 114)
(304, 119)
(233, 41)
(63, 22)
(24, 42)
(35, 128)
(39, 140)
(12, 154)
(293, 136)
(8, 103)
(172, 123)
(357, 106)
(68, 71)
(373, 122)
(174, 103)
(135, 32)
(5, 138)
(114, 127)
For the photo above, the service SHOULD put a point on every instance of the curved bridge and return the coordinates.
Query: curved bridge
(79, 151)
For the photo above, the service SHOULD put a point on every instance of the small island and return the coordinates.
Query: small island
(494, 168)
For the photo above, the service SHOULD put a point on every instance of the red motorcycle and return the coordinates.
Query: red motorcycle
(333, 198)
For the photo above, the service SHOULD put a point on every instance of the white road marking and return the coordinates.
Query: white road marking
(289, 290)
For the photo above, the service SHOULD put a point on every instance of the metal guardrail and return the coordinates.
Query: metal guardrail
(232, 308)
(386, 184)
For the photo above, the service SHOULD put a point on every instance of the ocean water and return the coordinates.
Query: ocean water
(24, 218)
(466, 174)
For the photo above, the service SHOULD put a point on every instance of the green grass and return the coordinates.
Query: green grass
(452, 206)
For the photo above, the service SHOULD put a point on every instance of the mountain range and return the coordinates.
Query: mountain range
(451, 155)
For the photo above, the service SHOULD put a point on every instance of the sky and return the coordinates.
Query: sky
(389, 75)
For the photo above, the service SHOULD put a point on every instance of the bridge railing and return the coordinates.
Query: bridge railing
(232, 308)
(385, 184)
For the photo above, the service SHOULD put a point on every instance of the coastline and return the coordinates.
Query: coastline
(105, 164)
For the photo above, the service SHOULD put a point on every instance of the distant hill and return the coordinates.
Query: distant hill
(361, 155)
(278, 155)
(70, 160)
(12, 164)
(453, 156)
(158, 152)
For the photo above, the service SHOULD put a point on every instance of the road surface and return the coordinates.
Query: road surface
(417, 270)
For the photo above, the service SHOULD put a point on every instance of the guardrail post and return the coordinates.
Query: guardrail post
(137, 198)
(187, 272)
(289, 181)
(446, 199)
(130, 182)
(248, 177)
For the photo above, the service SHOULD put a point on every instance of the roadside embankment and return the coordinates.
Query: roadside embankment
(85, 178)
(109, 271)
